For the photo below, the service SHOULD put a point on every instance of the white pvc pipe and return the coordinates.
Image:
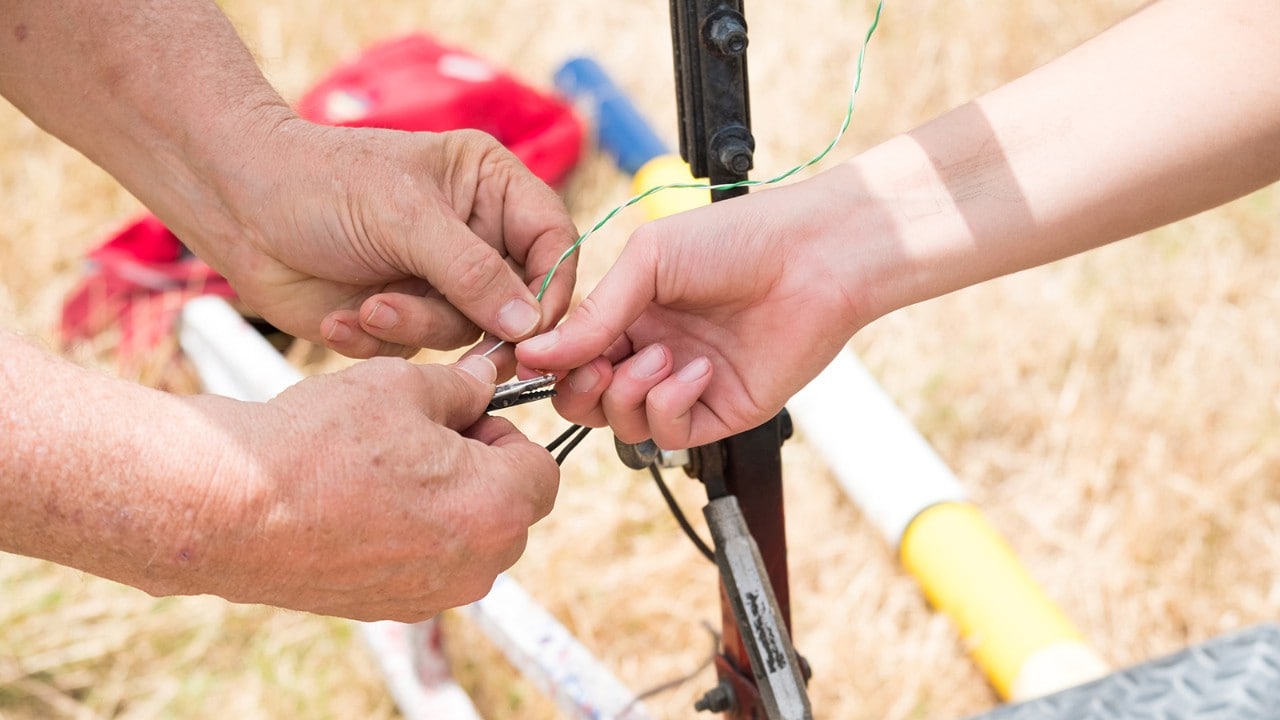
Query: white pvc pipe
(546, 653)
(875, 452)
(231, 357)
(416, 671)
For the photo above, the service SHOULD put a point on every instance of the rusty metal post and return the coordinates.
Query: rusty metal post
(709, 42)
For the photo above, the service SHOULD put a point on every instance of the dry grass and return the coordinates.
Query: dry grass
(1115, 414)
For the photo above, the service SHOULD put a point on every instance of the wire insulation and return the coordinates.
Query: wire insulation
(563, 437)
(681, 520)
(583, 431)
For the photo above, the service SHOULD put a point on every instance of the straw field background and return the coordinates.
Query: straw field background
(1115, 414)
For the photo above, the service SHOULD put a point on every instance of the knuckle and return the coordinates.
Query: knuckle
(360, 347)
(393, 366)
(577, 411)
(629, 433)
(474, 589)
(646, 244)
(474, 273)
(511, 546)
(591, 314)
(543, 489)
(670, 431)
(545, 502)
(473, 149)
(478, 579)
(513, 512)
(510, 520)
(471, 137)
(392, 371)
(643, 237)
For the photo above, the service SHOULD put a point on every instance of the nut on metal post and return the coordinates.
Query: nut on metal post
(639, 456)
(726, 33)
(734, 148)
(719, 699)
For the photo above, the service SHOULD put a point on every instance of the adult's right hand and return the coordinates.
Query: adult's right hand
(379, 492)
(379, 242)
(370, 241)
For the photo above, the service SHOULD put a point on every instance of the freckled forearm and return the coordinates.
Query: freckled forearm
(161, 93)
(100, 474)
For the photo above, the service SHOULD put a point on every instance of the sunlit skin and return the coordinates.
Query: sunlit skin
(712, 319)
(382, 491)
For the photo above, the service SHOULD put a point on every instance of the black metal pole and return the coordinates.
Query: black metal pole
(709, 43)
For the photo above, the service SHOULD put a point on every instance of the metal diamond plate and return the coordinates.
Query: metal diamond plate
(1231, 677)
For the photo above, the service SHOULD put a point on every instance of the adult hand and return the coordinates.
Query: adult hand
(414, 508)
(380, 242)
(708, 322)
(374, 242)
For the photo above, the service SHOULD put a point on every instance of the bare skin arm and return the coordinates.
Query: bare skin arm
(372, 241)
(378, 492)
(1168, 114)
(712, 319)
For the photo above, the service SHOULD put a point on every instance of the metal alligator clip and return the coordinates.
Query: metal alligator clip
(519, 392)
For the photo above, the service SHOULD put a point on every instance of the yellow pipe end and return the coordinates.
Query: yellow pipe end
(667, 170)
(1017, 635)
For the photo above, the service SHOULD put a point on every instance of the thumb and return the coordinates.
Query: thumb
(626, 290)
(458, 394)
(476, 280)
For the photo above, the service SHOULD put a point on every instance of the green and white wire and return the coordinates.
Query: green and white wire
(844, 126)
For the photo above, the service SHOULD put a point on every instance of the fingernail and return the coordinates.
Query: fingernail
(695, 370)
(545, 341)
(518, 318)
(584, 379)
(648, 362)
(338, 333)
(478, 367)
(382, 316)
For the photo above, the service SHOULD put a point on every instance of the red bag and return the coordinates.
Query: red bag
(141, 276)
(138, 282)
(415, 83)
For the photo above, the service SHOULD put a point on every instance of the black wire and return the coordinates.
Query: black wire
(679, 515)
(572, 437)
(677, 682)
(551, 446)
(573, 443)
